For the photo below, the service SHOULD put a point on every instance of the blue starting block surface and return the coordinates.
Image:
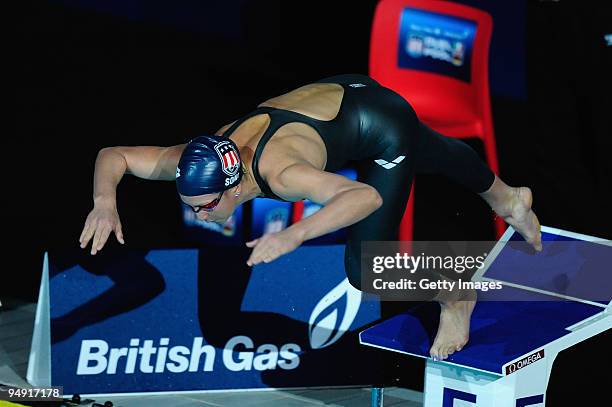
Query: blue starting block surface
(564, 285)
(500, 331)
(570, 267)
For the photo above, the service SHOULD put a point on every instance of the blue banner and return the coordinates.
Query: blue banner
(185, 320)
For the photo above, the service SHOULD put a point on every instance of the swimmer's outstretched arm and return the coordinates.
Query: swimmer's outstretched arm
(344, 201)
(154, 163)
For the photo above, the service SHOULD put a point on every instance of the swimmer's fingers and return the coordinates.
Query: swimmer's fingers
(270, 256)
(252, 243)
(260, 247)
(272, 252)
(87, 233)
(254, 258)
(270, 247)
(119, 233)
(96, 239)
(102, 233)
(538, 242)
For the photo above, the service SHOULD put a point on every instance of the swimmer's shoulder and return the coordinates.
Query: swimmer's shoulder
(283, 179)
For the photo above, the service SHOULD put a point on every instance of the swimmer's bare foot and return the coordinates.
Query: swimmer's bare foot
(523, 219)
(514, 206)
(454, 328)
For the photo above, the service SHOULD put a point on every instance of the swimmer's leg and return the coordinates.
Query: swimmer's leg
(457, 161)
(382, 225)
(393, 184)
(390, 172)
(454, 159)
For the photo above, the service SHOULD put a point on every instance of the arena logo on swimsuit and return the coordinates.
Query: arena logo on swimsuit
(239, 354)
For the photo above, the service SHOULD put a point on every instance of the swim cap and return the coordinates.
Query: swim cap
(209, 164)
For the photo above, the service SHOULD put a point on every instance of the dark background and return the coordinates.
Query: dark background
(91, 74)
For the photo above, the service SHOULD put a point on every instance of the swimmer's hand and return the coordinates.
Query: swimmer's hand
(102, 220)
(273, 245)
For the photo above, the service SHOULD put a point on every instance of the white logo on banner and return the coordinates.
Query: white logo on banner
(320, 335)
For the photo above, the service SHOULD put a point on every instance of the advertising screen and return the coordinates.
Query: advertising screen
(436, 43)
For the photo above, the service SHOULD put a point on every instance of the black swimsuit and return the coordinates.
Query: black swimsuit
(342, 136)
(378, 132)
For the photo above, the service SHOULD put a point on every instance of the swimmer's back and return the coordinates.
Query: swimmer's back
(327, 124)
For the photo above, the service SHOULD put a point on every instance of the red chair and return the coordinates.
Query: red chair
(457, 108)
